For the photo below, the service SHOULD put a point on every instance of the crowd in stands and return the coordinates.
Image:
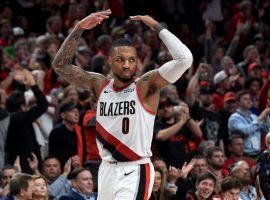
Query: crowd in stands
(211, 137)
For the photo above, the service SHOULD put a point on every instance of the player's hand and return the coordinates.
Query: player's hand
(94, 19)
(146, 19)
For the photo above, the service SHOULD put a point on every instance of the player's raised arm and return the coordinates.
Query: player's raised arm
(62, 62)
(182, 57)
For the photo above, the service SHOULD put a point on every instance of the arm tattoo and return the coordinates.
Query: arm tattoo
(66, 52)
(145, 78)
(62, 62)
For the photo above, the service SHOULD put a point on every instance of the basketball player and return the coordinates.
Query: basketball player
(126, 107)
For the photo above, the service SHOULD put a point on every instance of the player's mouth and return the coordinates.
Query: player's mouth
(126, 73)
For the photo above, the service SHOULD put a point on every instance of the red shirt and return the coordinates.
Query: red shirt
(89, 127)
(231, 161)
(218, 101)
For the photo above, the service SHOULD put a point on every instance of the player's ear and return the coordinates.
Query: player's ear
(110, 60)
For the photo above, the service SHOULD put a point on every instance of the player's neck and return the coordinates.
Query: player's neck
(120, 84)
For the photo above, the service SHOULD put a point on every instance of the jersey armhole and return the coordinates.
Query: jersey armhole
(141, 101)
(102, 88)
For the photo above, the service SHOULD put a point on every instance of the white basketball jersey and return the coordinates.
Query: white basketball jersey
(124, 125)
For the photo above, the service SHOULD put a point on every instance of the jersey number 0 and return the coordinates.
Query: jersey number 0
(125, 125)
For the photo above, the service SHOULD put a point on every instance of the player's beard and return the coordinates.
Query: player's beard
(123, 79)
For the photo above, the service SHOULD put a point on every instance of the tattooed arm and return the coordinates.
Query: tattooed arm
(62, 62)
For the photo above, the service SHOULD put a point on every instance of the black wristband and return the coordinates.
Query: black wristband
(158, 27)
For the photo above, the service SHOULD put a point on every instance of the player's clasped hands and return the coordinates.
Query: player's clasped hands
(97, 18)
(94, 19)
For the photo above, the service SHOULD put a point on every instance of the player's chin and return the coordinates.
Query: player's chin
(126, 79)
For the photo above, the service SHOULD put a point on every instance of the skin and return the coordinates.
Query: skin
(40, 189)
(26, 194)
(157, 181)
(161, 165)
(6, 176)
(245, 102)
(237, 147)
(205, 189)
(52, 169)
(70, 118)
(73, 96)
(217, 160)
(232, 194)
(149, 84)
(83, 183)
(230, 106)
(200, 167)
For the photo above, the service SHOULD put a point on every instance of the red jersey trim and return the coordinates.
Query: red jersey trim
(141, 101)
(118, 145)
(147, 181)
(102, 88)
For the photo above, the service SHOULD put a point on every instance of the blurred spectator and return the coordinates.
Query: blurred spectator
(241, 171)
(254, 70)
(5, 33)
(20, 187)
(44, 124)
(204, 146)
(93, 159)
(159, 189)
(172, 131)
(117, 32)
(70, 94)
(70, 132)
(213, 11)
(4, 123)
(23, 141)
(6, 174)
(263, 169)
(82, 186)
(202, 108)
(250, 55)
(189, 174)
(230, 189)
(103, 44)
(248, 125)
(98, 64)
(216, 160)
(213, 54)
(250, 25)
(236, 79)
(83, 57)
(253, 85)
(40, 191)
(205, 185)
(264, 96)
(236, 149)
(54, 26)
(58, 183)
(57, 91)
(151, 39)
(229, 107)
(221, 86)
